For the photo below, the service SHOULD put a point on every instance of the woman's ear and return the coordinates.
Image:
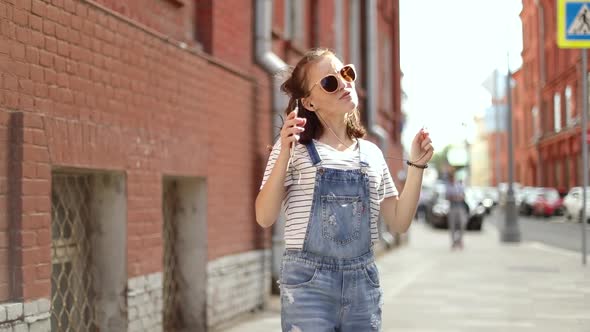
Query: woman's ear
(308, 104)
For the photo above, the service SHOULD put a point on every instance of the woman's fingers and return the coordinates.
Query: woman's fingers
(292, 127)
(291, 134)
(293, 130)
(294, 121)
(427, 142)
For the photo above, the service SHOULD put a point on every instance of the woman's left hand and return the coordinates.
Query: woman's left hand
(422, 150)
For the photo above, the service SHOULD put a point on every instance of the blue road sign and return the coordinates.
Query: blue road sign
(573, 24)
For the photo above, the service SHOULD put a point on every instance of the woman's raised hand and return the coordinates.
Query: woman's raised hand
(421, 151)
(292, 127)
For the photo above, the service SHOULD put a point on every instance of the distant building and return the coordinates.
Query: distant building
(493, 127)
(547, 113)
(479, 166)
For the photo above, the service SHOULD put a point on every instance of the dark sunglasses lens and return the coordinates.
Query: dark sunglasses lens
(348, 73)
(329, 83)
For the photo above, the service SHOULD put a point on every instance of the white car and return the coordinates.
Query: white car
(572, 203)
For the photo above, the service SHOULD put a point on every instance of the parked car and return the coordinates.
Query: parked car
(437, 216)
(548, 203)
(572, 203)
(426, 194)
(526, 200)
(484, 197)
(521, 194)
(438, 191)
(492, 193)
(476, 210)
(503, 190)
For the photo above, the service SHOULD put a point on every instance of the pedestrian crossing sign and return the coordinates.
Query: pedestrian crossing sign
(573, 24)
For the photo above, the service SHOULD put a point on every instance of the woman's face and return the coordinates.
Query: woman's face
(343, 100)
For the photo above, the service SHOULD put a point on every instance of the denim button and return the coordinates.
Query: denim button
(321, 170)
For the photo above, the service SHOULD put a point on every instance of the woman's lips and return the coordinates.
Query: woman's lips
(345, 95)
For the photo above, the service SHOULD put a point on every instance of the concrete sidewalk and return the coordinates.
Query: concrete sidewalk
(489, 286)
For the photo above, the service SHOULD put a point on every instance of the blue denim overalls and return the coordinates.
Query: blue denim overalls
(333, 284)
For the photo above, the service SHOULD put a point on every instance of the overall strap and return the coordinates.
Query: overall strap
(313, 153)
(363, 152)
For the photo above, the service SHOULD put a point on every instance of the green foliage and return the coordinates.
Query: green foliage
(439, 159)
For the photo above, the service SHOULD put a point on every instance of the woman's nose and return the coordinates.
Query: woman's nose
(342, 83)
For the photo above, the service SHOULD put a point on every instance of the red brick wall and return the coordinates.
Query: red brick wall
(325, 22)
(233, 32)
(94, 89)
(175, 18)
(99, 93)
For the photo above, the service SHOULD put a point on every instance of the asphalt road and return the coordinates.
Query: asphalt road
(554, 231)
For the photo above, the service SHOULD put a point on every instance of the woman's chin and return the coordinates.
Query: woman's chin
(351, 104)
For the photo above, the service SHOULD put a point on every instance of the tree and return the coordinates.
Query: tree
(439, 160)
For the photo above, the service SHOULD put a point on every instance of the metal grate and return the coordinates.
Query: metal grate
(172, 320)
(71, 277)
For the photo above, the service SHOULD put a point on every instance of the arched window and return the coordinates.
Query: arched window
(569, 119)
(557, 112)
(536, 123)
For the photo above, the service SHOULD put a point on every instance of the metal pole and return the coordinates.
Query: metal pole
(497, 131)
(510, 233)
(584, 150)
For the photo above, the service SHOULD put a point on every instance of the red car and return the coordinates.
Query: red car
(548, 203)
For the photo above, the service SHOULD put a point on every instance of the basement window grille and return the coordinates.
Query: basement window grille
(71, 278)
(172, 319)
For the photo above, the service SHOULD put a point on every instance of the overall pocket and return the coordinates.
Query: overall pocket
(295, 274)
(341, 218)
(372, 274)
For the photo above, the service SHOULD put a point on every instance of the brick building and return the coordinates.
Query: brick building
(133, 140)
(547, 117)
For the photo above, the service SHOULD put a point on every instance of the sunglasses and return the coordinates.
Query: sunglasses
(330, 83)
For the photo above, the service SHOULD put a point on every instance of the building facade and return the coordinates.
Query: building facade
(548, 104)
(479, 156)
(133, 138)
(492, 128)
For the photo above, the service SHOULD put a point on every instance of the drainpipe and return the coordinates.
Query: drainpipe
(373, 74)
(540, 85)
(272, 64)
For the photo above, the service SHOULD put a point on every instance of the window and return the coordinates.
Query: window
(557, 112)
(387, 73)
(569, 119)
(293, 20)
(88, 233)
(354, 32)
(72, 299)
(536, 123)
(185, 254)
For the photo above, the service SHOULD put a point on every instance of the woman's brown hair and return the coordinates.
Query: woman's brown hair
(296, 88)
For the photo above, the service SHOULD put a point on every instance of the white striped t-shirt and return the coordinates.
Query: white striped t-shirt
(299, 183)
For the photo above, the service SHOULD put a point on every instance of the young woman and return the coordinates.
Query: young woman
(332, 184)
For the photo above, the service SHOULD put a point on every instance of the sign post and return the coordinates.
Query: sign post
(573, 31)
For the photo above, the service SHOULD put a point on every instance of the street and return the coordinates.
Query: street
(489, 286)
(554, 231)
